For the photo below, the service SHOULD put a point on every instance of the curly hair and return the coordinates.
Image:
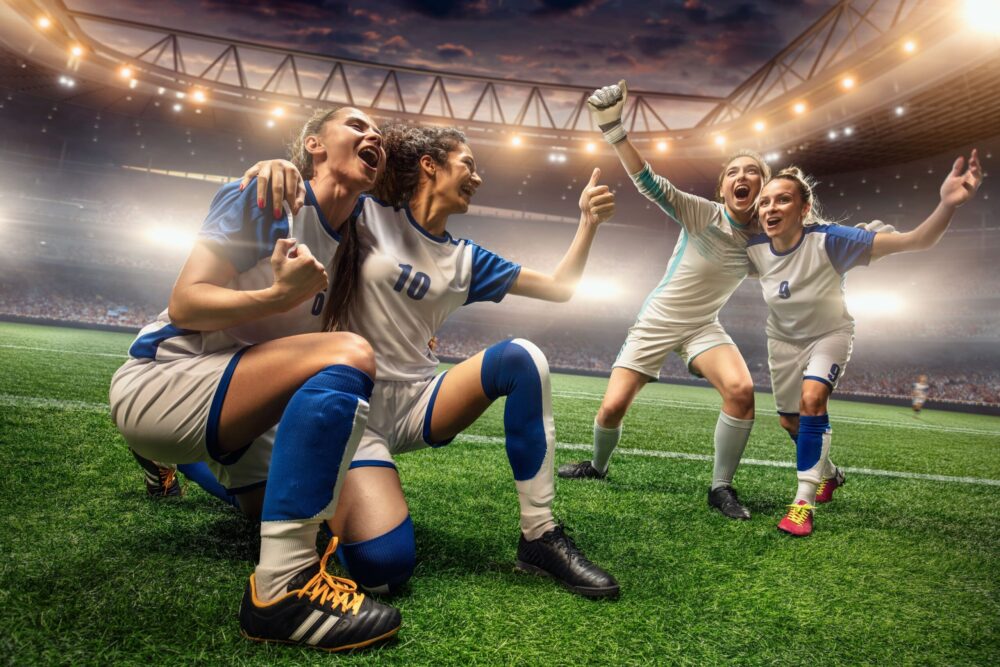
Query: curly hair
(404, 146)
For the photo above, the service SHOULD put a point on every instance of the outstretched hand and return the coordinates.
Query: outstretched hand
(597, 202)
(961, 184)
(286, 184)
(606, 105)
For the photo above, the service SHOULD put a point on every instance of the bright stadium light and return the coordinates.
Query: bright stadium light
(278, 112)
(76, 51)
(799, 108)
(178, 107)
(885, 304)
(847, 83)
(133, 83)
(596, 289)
(270, 122)
(759, 126)
(900, 111)
(170, 237)
(591, 147)
(848, 131)
(198, 96)
(662, 146)
(44, 23)
(909, 46)
(125, 72)
(832, 134)
(720, 140)
(515, 140)
(983, 15)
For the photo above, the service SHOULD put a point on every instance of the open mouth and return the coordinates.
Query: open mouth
(742, 192)
(771, 223)
(467, 191)
(369, 156)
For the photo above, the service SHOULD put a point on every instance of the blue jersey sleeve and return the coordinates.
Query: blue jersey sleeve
(848, 247)
(492, 276)
(242, 231)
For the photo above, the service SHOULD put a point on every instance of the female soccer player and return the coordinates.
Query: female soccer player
(682, 313)
(244, 345)
(802, 261)
(414, 275)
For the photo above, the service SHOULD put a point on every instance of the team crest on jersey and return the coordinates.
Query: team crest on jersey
(783, 290)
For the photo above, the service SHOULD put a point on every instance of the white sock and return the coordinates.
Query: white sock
(806, 492)
(731, 435)
(286, 548)
(605, 441)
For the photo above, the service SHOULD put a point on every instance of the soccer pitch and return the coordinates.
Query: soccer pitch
(903, 567)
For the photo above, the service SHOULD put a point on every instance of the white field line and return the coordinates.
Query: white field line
(573, 446)
(835, 419)
(34, 402)
(121, 356)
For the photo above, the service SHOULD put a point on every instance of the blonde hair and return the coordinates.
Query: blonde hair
(297, 153)
(765, 170)
(807, 190)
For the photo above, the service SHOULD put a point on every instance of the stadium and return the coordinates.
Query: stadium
(118, 127)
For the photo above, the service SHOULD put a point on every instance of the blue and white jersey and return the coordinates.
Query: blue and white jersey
(411, 282)
(246, 235)
(804, 286)
(709, 260)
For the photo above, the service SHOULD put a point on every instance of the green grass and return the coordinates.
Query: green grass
(899, 571)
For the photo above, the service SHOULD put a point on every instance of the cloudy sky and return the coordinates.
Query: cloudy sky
(685, 46)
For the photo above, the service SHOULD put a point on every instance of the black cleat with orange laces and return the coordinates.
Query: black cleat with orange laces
(161, 480)
(318, 610)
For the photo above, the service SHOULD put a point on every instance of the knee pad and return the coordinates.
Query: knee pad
(507, 364)
(384, 563)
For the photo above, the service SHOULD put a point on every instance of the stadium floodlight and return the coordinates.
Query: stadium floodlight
(832, 134)
(759, 126)
(177, 107)
(161, 90)
(44, 23)
(909, 46)
(67, 81)
(125, 72)
(278, 112)
(900, 110)
(869, 304)
(76, 51)
(983, 15)
(848, 131)
(133, 83)
(848, 83)
(720, 140)
(198, 96)
(662, 146)
(170, 237)
(270, 122)
(515, 140)
(591, 147)
(799, 108)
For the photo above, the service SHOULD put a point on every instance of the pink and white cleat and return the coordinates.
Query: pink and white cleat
(799, 520)
(824, 493)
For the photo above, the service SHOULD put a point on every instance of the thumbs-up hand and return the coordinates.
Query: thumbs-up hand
(597, 202)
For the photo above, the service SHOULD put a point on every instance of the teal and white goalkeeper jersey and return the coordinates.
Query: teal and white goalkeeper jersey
(804, 286)
(709, 261)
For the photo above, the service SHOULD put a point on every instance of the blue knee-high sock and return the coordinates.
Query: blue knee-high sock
(518, 370)
(200, 474)
(313, 443)
(384, 563)
(809, 445)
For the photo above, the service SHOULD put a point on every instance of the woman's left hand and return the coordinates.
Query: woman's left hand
(959, 187)
(597, 202)
(286, 184)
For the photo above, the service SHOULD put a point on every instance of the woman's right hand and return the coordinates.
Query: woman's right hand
(298, 276)
(286, 184)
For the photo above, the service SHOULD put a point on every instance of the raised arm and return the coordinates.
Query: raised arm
(597, 205)
(959, 187)
(606, 107)
(285, 181)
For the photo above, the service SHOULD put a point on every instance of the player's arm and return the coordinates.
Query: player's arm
(606, 107)
(597, 205)
(201, 301)
(959, 187)
(285, 181)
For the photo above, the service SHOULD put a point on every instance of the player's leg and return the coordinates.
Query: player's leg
(160, 478)
(623, 386)
(316, 386)
(377, 546)
(518, 370)
(723, 366)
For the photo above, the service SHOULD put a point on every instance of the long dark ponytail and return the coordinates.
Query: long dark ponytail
(345, 267)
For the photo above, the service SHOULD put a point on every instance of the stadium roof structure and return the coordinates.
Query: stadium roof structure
(870, 82)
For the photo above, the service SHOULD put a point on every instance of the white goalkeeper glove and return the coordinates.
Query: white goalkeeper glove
(606, 106)
(875, 226)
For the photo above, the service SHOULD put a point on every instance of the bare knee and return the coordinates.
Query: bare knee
(348, 349)
(612, 412)
(737, 397)
(813, 402)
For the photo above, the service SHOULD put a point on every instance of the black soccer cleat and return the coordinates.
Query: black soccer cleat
(319, 611)
(161, 480)
(726, 501)
(555, 555)
(581, 470)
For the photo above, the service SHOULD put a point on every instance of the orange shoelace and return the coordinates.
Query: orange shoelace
(338, 591)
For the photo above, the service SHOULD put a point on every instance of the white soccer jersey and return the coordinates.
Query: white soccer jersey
(709, 261)
(246, 236)
(804, 286)
(920, 391)
(411, 282)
